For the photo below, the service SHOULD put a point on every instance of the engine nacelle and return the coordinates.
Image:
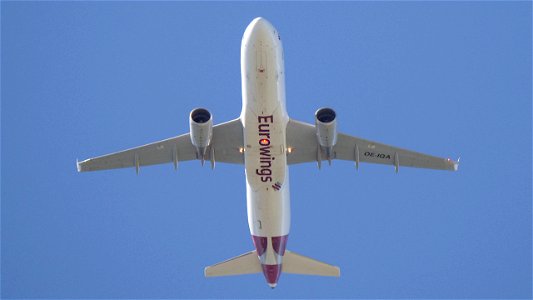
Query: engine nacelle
(326, 128)
(201, 125)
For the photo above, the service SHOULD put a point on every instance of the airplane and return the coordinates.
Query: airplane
(266, 141)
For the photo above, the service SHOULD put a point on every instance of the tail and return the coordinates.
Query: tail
(246, 263)
(293, 263)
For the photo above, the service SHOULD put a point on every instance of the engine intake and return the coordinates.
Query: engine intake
(201, 125)
(326, 127)
(200, 115)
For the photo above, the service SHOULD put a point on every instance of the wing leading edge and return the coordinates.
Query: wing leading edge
(301, 138)
(225, 147)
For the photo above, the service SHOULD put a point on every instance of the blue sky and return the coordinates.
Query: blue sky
(446, 78)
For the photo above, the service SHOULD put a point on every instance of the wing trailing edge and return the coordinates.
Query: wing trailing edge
(247, 263)
(294, 263)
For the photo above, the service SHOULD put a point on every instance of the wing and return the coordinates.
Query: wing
(226, 143)
(301, 139)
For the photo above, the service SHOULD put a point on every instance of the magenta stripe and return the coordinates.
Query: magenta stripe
(279, 243)
(272, 273)
(260, 243)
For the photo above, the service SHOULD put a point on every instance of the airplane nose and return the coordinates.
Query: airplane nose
(260, 23)
(261, 29)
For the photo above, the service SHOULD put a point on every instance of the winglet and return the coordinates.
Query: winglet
(456, 164)
(78, 166)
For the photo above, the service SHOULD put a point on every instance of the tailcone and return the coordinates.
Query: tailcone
(272, 273)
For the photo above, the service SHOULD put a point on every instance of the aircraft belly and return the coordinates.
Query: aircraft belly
(265, 120)
(266, 174)
(268, 212)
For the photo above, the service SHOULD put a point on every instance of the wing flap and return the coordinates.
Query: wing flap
(301, 137)
(155, 153)
(227, 140)
(377, 153)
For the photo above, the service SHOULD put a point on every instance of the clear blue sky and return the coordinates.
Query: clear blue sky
(85, 79)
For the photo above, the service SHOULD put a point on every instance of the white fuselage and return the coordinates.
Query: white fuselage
(264, 117)
(264, 146)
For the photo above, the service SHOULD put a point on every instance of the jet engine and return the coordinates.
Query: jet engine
(326, 129)
(201, 125)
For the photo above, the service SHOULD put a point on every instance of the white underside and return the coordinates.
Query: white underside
(261, 136)
(265, 118)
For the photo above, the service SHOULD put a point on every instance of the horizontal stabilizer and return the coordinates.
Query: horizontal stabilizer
(247, 263)
(298, 264)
